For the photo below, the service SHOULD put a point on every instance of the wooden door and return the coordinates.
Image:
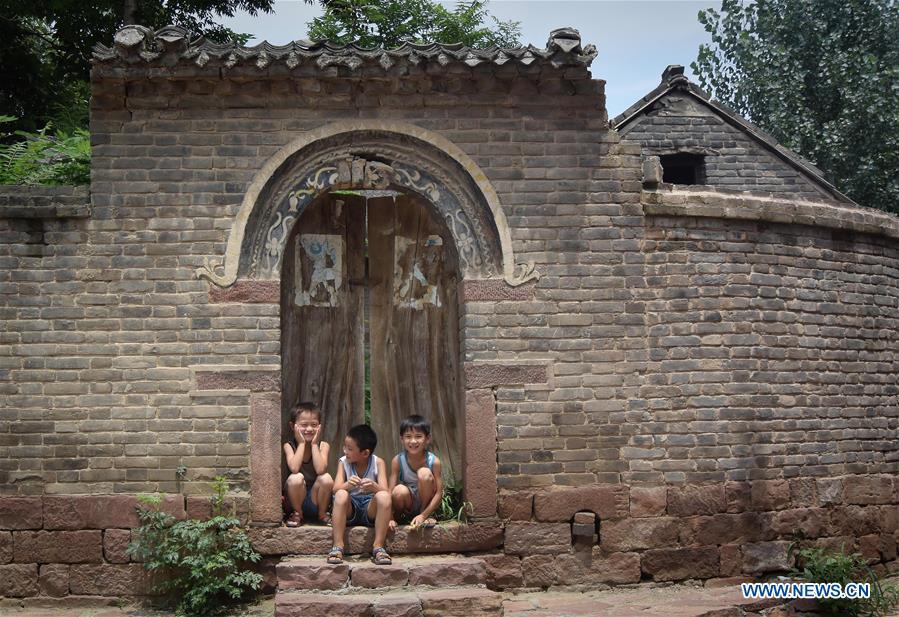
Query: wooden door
(414, 317)
(322, 331)
(410, 339)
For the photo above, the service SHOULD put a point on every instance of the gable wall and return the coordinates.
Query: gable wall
(678, 122)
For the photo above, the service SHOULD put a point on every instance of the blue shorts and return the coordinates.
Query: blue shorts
(359, 517)
(310, 510)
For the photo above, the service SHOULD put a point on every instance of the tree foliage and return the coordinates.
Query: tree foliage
(390, 23)
(822, 76)
(45, 56)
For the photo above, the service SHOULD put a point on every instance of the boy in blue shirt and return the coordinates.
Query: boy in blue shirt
(416, 482)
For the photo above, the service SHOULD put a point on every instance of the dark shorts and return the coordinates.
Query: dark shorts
(359, 517)
(310, 510)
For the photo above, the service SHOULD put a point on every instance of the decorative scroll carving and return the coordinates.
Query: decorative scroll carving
(394, 159)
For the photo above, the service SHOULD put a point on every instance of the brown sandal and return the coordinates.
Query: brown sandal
(294, 520)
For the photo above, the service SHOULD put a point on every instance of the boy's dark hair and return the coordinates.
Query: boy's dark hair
(415, 423)
(364, 436)
(305, 407)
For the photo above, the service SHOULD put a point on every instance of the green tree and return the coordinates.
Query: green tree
(390, 23)
(822, 76)
(45, 56)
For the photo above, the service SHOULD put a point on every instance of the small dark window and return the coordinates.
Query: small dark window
(683, 168)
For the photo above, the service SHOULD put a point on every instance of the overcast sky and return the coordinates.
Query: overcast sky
(636, 39)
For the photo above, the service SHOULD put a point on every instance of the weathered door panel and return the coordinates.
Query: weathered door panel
(414, 326)
(322, 328)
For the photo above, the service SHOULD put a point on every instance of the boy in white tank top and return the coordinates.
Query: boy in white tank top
(360, 494)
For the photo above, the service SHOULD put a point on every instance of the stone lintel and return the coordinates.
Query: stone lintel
(245, 378)
(512, 373)
(247, 292)
(496, 290)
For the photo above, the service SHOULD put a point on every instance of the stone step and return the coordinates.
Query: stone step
(456, 602)
(313, 573)
(316, 540)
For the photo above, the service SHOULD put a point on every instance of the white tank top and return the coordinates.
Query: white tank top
(349, 470)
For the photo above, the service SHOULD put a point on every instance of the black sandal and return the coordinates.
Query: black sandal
(335, 556)
(380, 557)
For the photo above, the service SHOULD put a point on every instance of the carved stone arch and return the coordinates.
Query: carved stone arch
(370, 155)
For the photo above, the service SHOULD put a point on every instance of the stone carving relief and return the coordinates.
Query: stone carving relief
(369, 160)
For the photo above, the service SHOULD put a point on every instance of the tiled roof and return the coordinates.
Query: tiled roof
(134, 46)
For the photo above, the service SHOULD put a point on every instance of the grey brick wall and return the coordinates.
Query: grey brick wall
(679, 350)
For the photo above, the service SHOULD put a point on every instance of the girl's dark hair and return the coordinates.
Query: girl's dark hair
(305, 407)
(415, 423)
(364, 436)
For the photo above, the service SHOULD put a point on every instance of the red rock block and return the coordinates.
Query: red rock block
(768, 495)
(18, 580)
(731, 559)
(766, 557)
(638, 533)
(461, 603)
(265, 457)
(54, 580)
(406, 605)
(307, 540)
(737, 496)
(495, 290)
(868, 490)
(503, 571)
(681, 563)
(607, 501)
(115, 545)
(803, 492)
(371, 576)
(648, 501)
(612, 569)
(853, 521)
(455, 571)
(70, 512)
(830, 491)
(323, 605)
(693, 500)
(311, 573)
(58, 546)
(721, 529)
(254, 381)
(539, 570)
(810, 521)
(198, 508)
(21, 513)
(877, 547)
(535, 538)
(444, 538)
(108, 580)
(5, 546)
(516, 505)
(480, 452)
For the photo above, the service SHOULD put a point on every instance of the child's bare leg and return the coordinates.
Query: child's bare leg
(427, 486)
(379, 510)
(341, 509)
(401, 498)
(321, 494)
(296, 492)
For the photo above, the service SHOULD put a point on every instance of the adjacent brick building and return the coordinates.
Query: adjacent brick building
(656, 381)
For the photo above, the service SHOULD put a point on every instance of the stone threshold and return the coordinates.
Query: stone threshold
(317, 540)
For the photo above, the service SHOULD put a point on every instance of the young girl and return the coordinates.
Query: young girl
(309, 485)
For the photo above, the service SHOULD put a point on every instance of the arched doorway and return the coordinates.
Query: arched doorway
(370, 318)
